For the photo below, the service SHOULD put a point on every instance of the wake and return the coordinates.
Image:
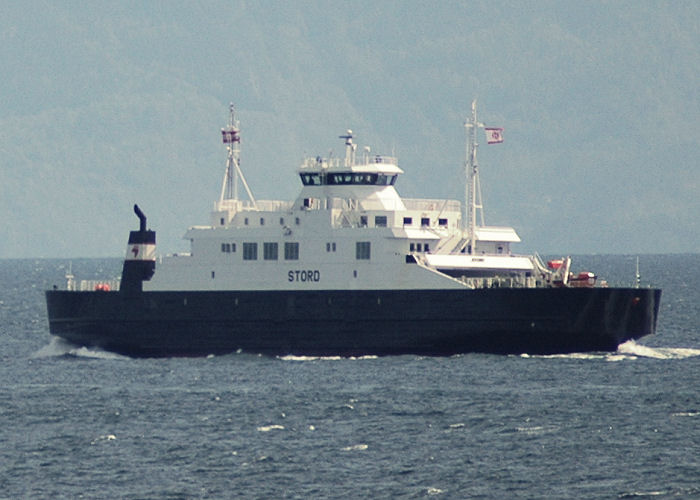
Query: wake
(632, 348)
(290, 357)
(628, 351)
(58, 347)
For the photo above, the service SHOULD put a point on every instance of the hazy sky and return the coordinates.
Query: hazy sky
(110, 103)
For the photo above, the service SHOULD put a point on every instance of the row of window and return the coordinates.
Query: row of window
(424, 222)
(348, 178)
(291, 250)
(379, 221)
(270, 250)
(418, 247)
(246, 221)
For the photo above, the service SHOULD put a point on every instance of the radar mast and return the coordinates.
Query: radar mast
(472, 194)
(232, 138)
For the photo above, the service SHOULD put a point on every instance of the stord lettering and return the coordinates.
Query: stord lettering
(305, 275)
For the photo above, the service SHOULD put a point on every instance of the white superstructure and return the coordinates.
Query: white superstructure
(347, 229)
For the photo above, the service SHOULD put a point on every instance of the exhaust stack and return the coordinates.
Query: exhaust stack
(142, 218)
(140, 260)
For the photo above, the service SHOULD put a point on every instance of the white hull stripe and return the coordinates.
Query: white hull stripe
(139, 251)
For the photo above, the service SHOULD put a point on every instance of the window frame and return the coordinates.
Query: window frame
(270, 250)
(250, 250)
(291, 250)
(363, 250)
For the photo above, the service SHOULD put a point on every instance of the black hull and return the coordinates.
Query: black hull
(352, 323)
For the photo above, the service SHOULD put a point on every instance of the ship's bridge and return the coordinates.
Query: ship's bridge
(361, 182)
(372, 171)
(367, 181)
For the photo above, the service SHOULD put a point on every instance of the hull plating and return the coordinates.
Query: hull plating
(350, 323)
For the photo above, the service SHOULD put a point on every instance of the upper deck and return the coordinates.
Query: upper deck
(375, 170)
(368, 163)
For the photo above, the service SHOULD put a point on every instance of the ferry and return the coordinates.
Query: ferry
(348, 268)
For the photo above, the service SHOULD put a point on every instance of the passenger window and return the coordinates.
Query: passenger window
(291, 250)
(270, 251)
(250, 251)
(362, 250)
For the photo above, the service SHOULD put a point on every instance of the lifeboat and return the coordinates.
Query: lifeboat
(583, 279)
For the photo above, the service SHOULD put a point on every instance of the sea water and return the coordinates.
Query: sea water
(78, 422)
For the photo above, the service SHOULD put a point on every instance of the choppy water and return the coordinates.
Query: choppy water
(77, 422)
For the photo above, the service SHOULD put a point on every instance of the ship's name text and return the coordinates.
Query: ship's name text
(305, 275)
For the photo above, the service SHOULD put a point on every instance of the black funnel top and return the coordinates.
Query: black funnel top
(141, 216)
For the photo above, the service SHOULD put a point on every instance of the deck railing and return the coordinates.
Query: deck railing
(366, 159)
(259, 205)
(93, 285)
(427, 205)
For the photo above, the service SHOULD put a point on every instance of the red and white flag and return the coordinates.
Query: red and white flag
(493, 135)
(230, 135)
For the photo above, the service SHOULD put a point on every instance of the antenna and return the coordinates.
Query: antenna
(349, 148)
(472, 188)
(232, 138)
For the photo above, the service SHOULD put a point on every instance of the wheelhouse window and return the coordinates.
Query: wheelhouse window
(353, 179)
(380, 221)
(347, 178)
(311, 179)
(386, 180)
(407, 221)
(250, 251)
(362, 250)
(442, 222)
(291, 250)
(270, 251)
(425, 221)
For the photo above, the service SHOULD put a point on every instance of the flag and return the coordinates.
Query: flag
(230, 135)
(493, 135)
